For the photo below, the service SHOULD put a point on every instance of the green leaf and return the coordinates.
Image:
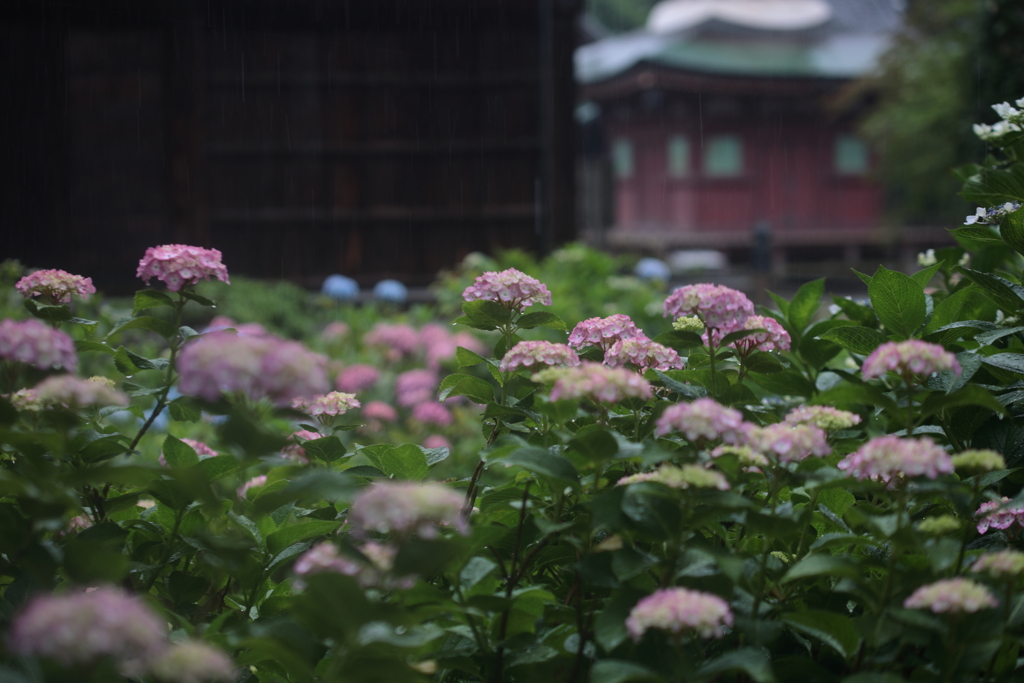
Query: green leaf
(781, 303)
(541, 319)
(1007, 295)
(184, 409)
(326, 449)
(755, 662)
(435, 455)
(406, 462)
(856, 394)
(1012, 230)
(991, 186)
(178, 453)
(84, 345)
(150, 298)
(467, 358)
(53, 313)
(475, 570)
(864, 277)
(473, 388)
(805, 304)
(786, 383)
(282, 538)
(855, 311)
(763, 362)
(164, 328)
(680, 340)
(681, 387)
(835, 630)
(171, 493)
(898, 301)
(969, 395)
(544, 462)
(595, 444)
(486, 315)
(201, 300)
(219, 466)
(963, 304)
(1012, 362)
(977, 236)
(104, 448)
(619, 671)
(821, 565)
(923, 277)
(859, 340)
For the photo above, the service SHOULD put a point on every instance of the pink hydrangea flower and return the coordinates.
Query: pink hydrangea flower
(718, 307)
(603, 332)
(334, 331)
(774, 337)
(406, 509)
(255, 482)
(179, 265)
(378, 410)
(642, 353)
(191, 661)
(911, 357)
(511, 288)
(995, 514)
(594, 382)
(356, 378)
(681, 612)
(259, 367)
(325, 558)
(71, 391)
(397, 340)
(955, 596)
(294, 450)
(333, 404)
(436, 441)
(1002, 564)
(433, 413)
(58, 285)
(703, 418)
(37, 344)
(528, 354)
(222, 322)
(415, 386)
(77, 629)
(823, 417)
(788, 442)
(888, 458)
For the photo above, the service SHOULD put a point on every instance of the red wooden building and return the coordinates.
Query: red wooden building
(719, 116)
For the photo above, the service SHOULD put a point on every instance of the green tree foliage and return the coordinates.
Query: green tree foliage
(953, 58)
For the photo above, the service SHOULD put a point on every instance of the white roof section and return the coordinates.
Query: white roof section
(772, 15)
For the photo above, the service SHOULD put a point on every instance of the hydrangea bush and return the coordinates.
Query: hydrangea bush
(801, 493)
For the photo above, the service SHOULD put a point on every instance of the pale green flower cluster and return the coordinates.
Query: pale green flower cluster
(939, 525)
(977, 461)
(823, 417)
(687, 476)
(689, 323)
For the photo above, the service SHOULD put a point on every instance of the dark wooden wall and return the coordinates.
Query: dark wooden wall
(300, 137)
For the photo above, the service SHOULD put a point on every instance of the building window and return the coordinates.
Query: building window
(851, 155)
(723, 156)
(622, 158)
(678, 156)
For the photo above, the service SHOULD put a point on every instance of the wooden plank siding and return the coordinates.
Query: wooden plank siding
(305, 138)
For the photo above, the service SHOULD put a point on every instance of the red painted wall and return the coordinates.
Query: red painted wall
(789, 179)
